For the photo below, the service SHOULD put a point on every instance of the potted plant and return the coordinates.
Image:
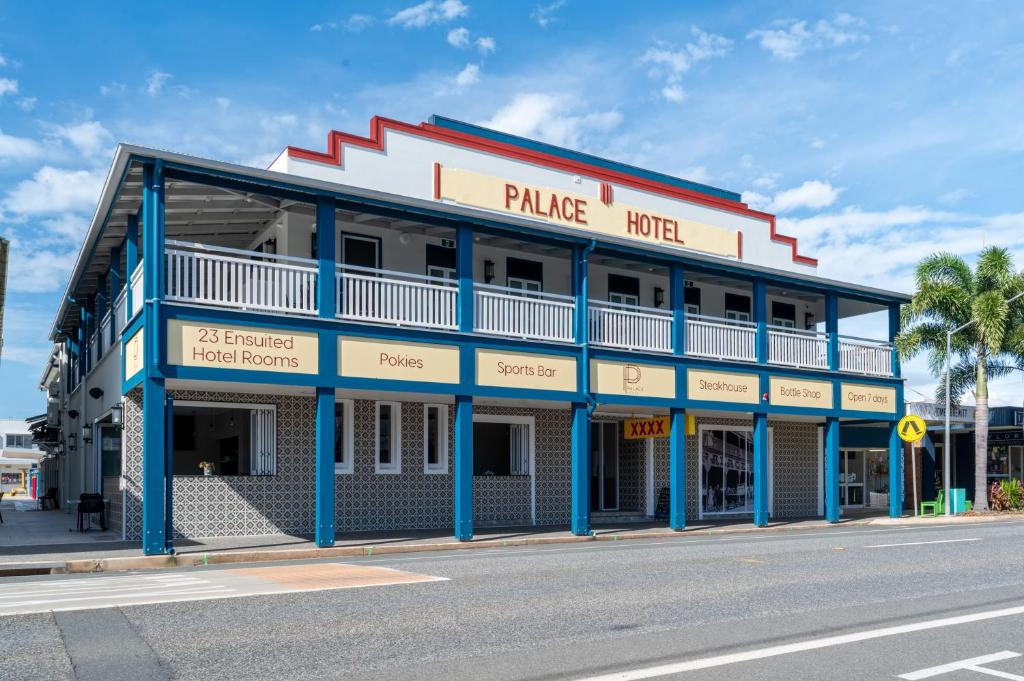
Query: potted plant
(206, 467)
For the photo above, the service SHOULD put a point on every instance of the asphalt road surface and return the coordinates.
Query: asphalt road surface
(943, 603)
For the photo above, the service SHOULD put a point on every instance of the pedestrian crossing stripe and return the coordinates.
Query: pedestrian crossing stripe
(911, 428)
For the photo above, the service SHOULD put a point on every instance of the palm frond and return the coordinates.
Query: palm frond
(994, 271)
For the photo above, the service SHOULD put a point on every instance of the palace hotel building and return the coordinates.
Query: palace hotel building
(444, 326)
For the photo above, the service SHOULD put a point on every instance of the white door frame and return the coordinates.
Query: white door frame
(531, 422)
(700, 466)
(600, 466)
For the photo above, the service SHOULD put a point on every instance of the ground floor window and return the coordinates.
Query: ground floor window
(501, 448)
(1005, 463)
(110, 451)
(388, 438)
(219, 438)
(343, 443)
(435, 438)
(727, 471)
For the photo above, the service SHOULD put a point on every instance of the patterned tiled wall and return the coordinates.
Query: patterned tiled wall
(218, 506)
(114, 506)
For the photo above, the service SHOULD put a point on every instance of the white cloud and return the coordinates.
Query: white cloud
(358, 22)
(27, 103)
(485, 44)
(787, 40)
(458, 37)
(222, 102)
(113, 88)
(953, 197)
(54, 190)
(551, 118)
(36, 269)
(156, 81)
(18, 148)
(813, 194)
(767, 181)
(316, 28)
(470, 75)
(544, 15)
(279, 122)
(756, 200)
(8, 87)
(89, 137)
(429, 12)
(668, 63)
(817, 143)
(673, 93)
(3, 60)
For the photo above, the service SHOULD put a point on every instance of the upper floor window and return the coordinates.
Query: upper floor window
(524, 275)
(343, 441)
(440, 262)
(388, 438)
(784, 314)
(435, 438)
(737, 307)
(18, 441)
(623, 290)
(691, 300)
(360, 251)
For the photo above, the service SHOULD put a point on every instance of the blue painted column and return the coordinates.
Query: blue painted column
(82, 343)
(131, 258)
(328, 361)
(894, 330)
(464, 274)
(581, 292)
(677, 299)
(760, 469)
(155, 473)
(677, 469)
(463, 467)
(761, 319)
(114, 288)
(88, 326)
(832, 469)
(832, 329)
(896, 459)
(580, 469)
(169, 478)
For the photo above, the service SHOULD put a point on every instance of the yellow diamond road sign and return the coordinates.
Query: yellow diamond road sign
(911, 428)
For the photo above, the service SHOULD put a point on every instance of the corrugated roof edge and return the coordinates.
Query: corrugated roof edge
(506, 138)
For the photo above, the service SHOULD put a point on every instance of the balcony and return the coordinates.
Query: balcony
(249, 280)
(515, 313)
(630, 327)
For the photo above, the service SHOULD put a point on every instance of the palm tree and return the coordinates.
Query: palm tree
(949, 294)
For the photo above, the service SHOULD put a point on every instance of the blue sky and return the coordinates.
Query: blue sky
(877, 131)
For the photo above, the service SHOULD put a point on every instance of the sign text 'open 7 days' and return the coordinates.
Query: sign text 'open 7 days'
(595, 214)
(223, 346)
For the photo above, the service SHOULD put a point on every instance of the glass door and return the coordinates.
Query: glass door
(604, 466)
(727, 471)
(852, 473)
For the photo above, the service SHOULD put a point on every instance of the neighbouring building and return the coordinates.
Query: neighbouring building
(444, 326)
(19, 458)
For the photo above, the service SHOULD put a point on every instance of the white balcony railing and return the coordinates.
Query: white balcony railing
(103, 335)
(120, 313)
(797, 348)
(861, 356)
(372, 295)
(513, 312)
(719, 338)
(229, 277)
(630, 327)
(137, 297)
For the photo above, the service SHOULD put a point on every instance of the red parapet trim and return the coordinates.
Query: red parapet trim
(378, 125)
(437, 181)
(739, 245)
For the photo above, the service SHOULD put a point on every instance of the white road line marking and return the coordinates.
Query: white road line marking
(148, 594)
(921, 543)
(971, 664)
(802, 646)
(109, 589)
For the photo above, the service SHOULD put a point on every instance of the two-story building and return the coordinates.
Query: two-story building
(440, 325)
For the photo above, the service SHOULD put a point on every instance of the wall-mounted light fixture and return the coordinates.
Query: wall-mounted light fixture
(659, 296)
(71, 442)
(96, 393)
(72, 413)
(116, 414)
(488, 271)
(86, 435)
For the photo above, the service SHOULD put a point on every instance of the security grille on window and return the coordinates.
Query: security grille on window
(435, 438)
(388, 438)
(343, 441)
(222, 438)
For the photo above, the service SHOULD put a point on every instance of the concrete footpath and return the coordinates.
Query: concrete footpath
(106, 555)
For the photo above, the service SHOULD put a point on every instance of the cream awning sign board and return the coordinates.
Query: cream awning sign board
(397, 361)
(793, 392)
(589, 213)
(722, 386)
(133, 357)
(859, 397)
(628, 378)
(223, 346)
(528, 370)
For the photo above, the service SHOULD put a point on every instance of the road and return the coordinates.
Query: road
(843, 603)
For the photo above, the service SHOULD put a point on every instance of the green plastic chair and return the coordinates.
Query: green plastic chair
(937, 507)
